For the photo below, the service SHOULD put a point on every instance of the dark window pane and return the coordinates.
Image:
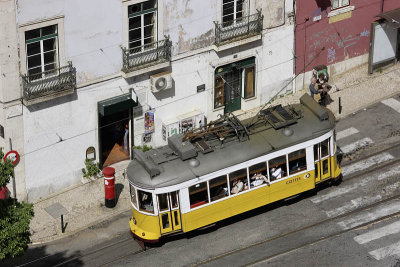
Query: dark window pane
(315, 152)
(148, 31)
(145, 201)
(134, 35)
(49, 30)
(134, 23)
(174, 200)
(135, 47)
(239, 9)
(33, 48)
(50, 69)
(35, 73)
(297, 161)
(134, 8)
(218, 188)
(165, 221)
(32, 34)
(149, 4)
(50, 57)
(325, 148)
(149, 19)
(325, 167)
(49, 44)
(34, 61)
(163, 202)
(198, 195)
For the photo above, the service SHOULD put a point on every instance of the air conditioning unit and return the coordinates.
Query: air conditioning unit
(161, 81)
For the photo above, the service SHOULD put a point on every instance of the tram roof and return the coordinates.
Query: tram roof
(262, 140)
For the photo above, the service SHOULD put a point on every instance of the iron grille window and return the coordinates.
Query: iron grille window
(142, 25)
(42, 52)
(340, 3)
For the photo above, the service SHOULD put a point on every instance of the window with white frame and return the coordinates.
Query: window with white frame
(42, 52)
(340, 3)
(142, 25)
(233, 11)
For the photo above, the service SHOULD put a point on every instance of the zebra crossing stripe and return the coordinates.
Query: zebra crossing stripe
(360, 166)
(365, 164)
(393, 103)
(352, 205)
(390, 229)
(384, 252)
(377, 213)
(345, 133)
(353, 146)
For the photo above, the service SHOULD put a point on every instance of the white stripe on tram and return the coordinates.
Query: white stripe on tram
(393, 103)
(345, 133)
(390, 229)
(384, 252)
(353, 146)
(377, 213)
(345, 189)
(352, 205)
(365, 164)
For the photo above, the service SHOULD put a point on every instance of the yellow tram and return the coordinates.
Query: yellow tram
(231, 166)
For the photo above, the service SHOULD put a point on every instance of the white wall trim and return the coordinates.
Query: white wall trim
(340, 11)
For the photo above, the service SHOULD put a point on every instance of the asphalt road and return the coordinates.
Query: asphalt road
(356, 223)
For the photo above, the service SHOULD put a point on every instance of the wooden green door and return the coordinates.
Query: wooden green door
(233, 89)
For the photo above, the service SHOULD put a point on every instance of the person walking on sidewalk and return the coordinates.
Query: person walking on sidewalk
(314, 89)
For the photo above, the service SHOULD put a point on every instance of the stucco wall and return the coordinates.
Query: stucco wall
(346, 38)
(57, 132)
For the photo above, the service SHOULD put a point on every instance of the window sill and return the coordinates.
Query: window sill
(219, 108)
(340, 10)
(250, 98)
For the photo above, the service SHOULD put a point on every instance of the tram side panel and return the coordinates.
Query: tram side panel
(145, 226)
(246, 201)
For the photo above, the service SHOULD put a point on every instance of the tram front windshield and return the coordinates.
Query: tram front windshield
(145, 201)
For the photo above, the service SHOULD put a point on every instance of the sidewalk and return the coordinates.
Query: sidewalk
(83, 205)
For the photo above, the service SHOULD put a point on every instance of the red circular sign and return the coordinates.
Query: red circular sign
(13, 156)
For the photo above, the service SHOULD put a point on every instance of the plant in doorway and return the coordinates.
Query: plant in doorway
(144, 148)
(91, 171)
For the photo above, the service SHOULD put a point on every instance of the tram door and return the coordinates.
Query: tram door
(321, 160)
(170, 218)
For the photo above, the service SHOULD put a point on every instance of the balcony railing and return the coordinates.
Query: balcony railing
(146, 55)
(238, 29)
(49, 82)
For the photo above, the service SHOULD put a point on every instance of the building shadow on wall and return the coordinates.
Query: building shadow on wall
(53, 102)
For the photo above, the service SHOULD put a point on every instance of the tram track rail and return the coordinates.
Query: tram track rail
(129, 240)
(328, 220)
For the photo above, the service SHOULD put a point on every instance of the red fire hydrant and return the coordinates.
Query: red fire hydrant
(109, 186)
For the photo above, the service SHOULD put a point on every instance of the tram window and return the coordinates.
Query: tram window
(163, 202)
(145, 201)
(325, 148)
(238, 181)
(277, 168)
(258, 174)
(297, 161)
(174, 199)
(198, 195)
(316, 152)
(133, 196)
(218, 188)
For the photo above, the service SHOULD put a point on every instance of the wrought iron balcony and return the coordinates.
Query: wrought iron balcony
(49, 83)
(146, 55)
(238, 29)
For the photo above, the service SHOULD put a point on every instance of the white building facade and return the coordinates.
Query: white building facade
(110, 74)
